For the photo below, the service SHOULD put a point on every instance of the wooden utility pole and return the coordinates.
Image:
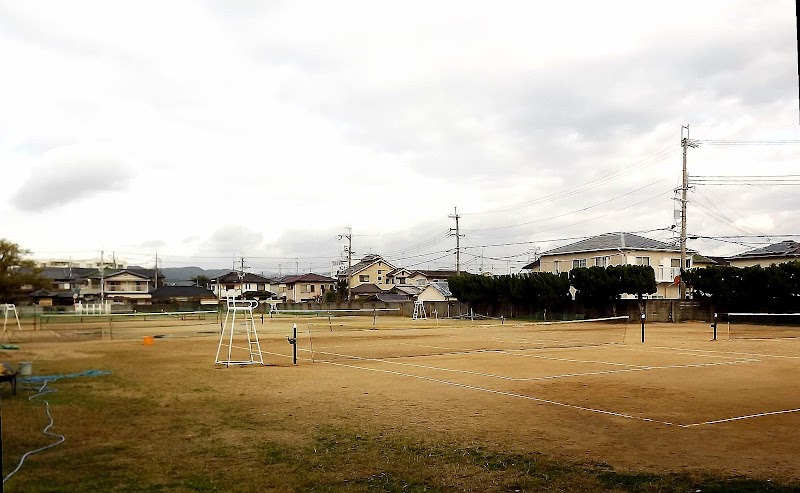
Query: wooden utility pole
(349, 237)
(458, 239)
(686, 142)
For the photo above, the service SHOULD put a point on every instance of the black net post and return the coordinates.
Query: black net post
(714, 326)
(293, 341)
(642, 316)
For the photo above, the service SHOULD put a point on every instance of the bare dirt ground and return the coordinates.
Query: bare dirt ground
(677, 402)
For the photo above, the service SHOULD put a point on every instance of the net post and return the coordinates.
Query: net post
(293, 341)
(714, 325)
(643, 316)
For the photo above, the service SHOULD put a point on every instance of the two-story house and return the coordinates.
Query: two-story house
(372, 269)
(305, 287)
(236, 284)
(618, 249)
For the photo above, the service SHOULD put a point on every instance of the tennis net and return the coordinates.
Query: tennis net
(762, 325)
(421, 338)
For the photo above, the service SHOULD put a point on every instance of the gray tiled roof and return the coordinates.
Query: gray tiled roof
(310, 277)
(614, 241)
(364, 263)
(786, 248)
(248, 277)
(443, 287)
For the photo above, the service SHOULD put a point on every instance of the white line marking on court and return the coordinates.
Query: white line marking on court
(532, 379)
(509, 394)
(739, 418)
(548, 401)
(730, 352)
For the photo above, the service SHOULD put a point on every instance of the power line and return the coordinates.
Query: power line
(658, 157)
(583, 209)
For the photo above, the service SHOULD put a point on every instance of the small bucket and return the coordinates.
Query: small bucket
(25, 367)
(148, 341)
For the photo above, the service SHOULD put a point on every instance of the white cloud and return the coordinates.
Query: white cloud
(70, 174)
(267, 128)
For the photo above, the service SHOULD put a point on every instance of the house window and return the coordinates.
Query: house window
(580, 262)
(380, 271)
(676, 262)
(379, 277)
(311, 288)
(363, 278)
(688, 263)
(642, 260)
(601, 261)
(401, 280)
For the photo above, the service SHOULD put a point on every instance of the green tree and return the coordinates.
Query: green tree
(201, 280)
(17, 274)
(773, 288)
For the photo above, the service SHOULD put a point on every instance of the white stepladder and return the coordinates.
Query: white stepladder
(419, 311)
(244, 310)
(9, 308)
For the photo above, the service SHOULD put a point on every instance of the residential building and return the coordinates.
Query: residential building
(436, 291)
(306, 287)
(777, 253)
(399, 277)
(422, 278)
(236, 284)
(372, 269)
(126, 286)
(619, 249)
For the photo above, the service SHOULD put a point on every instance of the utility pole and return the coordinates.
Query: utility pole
(102, 282)
(686, 142)
(155, 274)
(458, 238)
(349, 237)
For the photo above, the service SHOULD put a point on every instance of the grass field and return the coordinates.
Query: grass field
(410, 405)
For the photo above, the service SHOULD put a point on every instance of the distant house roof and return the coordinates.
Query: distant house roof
(405, 289)
(697, 258)
(366, 288)
(365, 262)
(436, 273)
(233, 277)
(388, 298)
(442, 287)
(168, 292)
(786, 248)
(126, 271)
(614, 241)
(66, 273)
(532, 265)
(310, 277)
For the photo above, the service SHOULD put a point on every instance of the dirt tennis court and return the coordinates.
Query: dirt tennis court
(585, 393)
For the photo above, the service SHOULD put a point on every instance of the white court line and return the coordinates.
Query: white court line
(730, 352)
(562, 404)
(509, 394)
(739, 418)
(532, 379)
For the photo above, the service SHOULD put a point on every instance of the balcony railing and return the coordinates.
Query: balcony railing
(667, 274)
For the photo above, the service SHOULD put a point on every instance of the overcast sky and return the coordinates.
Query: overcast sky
(204, 131)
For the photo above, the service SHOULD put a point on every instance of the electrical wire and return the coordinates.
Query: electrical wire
(659, 157)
